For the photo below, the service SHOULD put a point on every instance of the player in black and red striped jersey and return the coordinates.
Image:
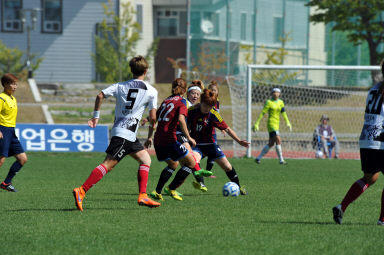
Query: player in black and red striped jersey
(202, 121)
(171, 113)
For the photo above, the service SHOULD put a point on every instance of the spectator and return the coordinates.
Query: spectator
(326, 137)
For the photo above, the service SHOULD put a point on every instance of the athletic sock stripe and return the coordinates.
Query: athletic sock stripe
(102, 169)
(170, 170)
(362, 184)
(144, 168)
(187, 169)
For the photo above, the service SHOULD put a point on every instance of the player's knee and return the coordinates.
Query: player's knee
(173, 164)
(23, 160)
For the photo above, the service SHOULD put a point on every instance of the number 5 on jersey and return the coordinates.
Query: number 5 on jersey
(131, 98)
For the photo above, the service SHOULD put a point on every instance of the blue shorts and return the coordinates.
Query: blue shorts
(10, 144)
(174, 151)
(212, 151)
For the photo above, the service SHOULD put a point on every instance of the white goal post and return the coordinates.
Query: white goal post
(326, 81)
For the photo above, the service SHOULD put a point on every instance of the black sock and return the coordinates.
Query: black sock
(164, 177)
(199, 179)
(12, 172)
(209, 165)
(180, 177)
(232, 175)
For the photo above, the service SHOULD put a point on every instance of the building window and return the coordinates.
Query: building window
(195, 22)
(182, 23)
(167, 27)
(11, 16)
(277, 29)
(52, 16)
(243, 27)
(139, 16)
(171, 22)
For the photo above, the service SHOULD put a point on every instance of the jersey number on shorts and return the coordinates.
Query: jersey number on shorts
(131, 98)
(162, 115)
(375, 102)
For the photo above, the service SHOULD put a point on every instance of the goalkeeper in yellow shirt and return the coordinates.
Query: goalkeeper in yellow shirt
(274, 107)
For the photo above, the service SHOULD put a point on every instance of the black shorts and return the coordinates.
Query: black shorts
(181, 138)
(372, 161)
(274, 134)
(119, 147)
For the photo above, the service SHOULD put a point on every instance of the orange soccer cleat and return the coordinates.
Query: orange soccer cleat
(79, 195)
(146, 201)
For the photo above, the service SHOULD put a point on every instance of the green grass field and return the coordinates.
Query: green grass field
(287, 211)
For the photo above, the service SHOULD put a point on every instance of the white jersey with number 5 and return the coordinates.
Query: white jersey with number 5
(372, 135)
(132, 97)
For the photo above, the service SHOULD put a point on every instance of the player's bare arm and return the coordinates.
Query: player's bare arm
(184, 129)
(96, 111)
(232, 134)
(151, 128)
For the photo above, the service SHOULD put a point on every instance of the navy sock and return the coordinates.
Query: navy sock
(164, 177)
(209, 165)
(199, 179)
(232, 175)
(180, 177)
(12, 172)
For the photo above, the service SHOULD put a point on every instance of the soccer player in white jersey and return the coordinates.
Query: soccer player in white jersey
(132, 97)
(371, 151)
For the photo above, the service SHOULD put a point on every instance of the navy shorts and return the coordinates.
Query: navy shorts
(181, 138)
(174, 151)
(10, 144)
(274, 134)
(372, 161)
(212, 151)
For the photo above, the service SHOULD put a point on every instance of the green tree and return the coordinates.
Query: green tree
(361, 19)
(11, 61)
(116, 43)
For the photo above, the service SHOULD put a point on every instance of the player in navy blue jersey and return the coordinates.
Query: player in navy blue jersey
(202, 120)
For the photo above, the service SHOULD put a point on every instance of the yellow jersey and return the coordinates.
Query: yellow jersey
(8, 110)
(274, 108)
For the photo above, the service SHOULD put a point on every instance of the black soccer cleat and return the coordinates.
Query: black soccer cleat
(337, 214)
(8, 187)
(257, 161)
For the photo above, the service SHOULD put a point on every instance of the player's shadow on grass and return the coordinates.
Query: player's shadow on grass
(43, 210)
(121, 194)
(64, 209)
(314, 223)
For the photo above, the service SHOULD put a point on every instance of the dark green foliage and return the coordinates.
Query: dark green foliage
(362, 20)
(12, 61)
(116, 44)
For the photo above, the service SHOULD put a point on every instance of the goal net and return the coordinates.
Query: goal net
(308, 92)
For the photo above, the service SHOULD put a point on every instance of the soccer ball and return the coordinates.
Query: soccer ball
(231, 189)
(319, 154)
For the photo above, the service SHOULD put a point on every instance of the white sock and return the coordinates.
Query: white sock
(263, 152)
(279, 152)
